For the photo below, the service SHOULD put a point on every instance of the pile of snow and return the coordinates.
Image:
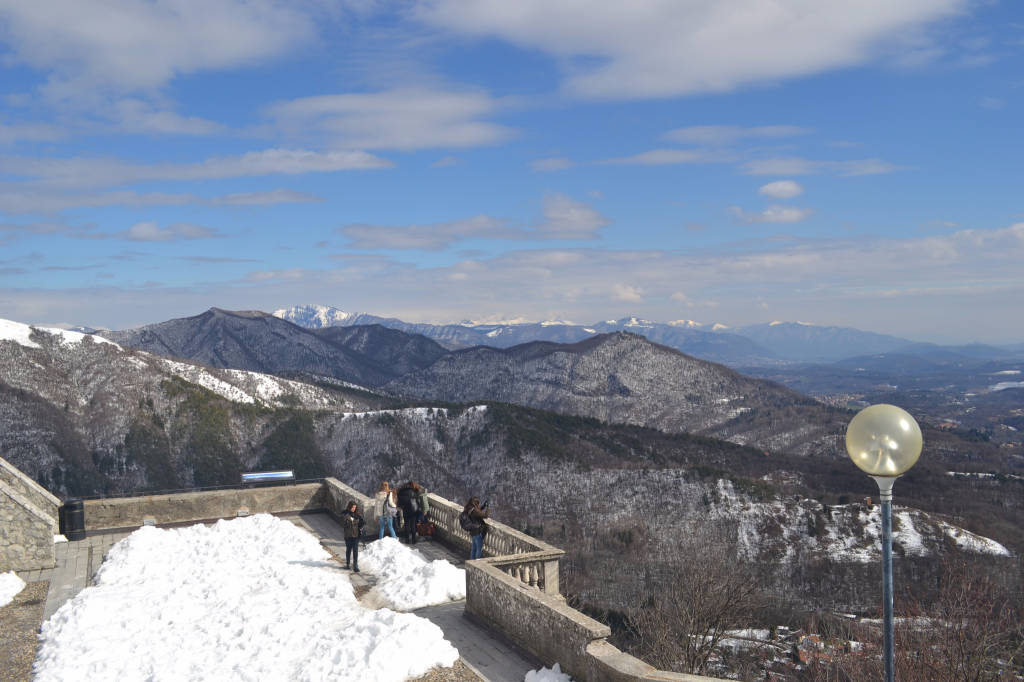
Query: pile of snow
(552, 674)
(10, 586)
(253, 598)
(406, 581)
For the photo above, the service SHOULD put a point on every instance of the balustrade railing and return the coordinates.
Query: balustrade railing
(532, 561)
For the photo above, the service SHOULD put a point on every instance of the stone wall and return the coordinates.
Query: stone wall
(132, 512)
(546, 627)
(39, 496)
(336, 495)
(28, 522)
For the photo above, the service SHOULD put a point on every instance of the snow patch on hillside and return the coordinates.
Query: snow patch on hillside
(842, 533)
(22, 333)
(970, 542)
(201, 377)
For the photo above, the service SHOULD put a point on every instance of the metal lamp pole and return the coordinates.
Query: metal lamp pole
(884, 441)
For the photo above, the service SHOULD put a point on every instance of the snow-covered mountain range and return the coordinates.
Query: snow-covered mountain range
(84, 416)
(760, 345)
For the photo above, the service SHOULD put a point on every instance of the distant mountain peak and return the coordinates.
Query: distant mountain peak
(238, 313)
(775, 323)
(631, 321)
(314, 316)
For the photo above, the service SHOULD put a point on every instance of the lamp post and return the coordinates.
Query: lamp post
(884, 441)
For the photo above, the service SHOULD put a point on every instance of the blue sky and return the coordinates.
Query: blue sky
(854, 163)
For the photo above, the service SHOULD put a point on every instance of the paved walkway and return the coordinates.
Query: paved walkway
(484, 652)
(77, 563)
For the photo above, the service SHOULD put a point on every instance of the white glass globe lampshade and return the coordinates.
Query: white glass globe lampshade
(883, 440)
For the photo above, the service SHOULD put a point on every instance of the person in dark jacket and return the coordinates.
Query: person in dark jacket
(409, 501)
(352, 523)
(477, 514)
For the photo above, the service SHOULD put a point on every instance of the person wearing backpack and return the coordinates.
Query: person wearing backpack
(409, 501)
(386, 507)
(424, 503)
(352, 523)
(472, 520)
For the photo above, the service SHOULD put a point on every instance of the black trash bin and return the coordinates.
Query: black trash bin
(72, 517)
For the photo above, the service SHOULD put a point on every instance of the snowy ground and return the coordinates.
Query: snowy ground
(10, 586)
(254, 598)
(407, 581)
(552, 674)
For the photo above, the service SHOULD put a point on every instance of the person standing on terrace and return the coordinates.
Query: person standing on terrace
(478, 527)
(352, 523)
(386, 507)
(409, 501)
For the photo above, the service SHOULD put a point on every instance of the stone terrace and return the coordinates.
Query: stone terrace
(513, 620)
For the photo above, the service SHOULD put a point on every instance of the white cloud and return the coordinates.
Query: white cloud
(86, 172)
(151, 232)
(446, 162)
(566, 218)
(773, 214)
(972, 277)
(274, 196)
(432, 237)
(22, 199)
(627, 294)
(139, 45)
(798, 166)
(781, 189)
(404, 119)
(654, 48)
(551, 165)
(667, 157)
(563, 218)
(9, 232)
(718, 135)
(137, 116)
(14, 133)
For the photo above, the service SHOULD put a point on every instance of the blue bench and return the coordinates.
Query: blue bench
(267, 477)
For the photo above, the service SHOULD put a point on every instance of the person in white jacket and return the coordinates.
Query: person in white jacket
(386, 507)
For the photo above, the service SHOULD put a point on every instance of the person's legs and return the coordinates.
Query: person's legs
(383, 521)
(355, 553)
(348, 551)
(391, 527)
(477, 550)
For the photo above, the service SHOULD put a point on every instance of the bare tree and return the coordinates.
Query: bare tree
(967, 628)
(700, 593)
